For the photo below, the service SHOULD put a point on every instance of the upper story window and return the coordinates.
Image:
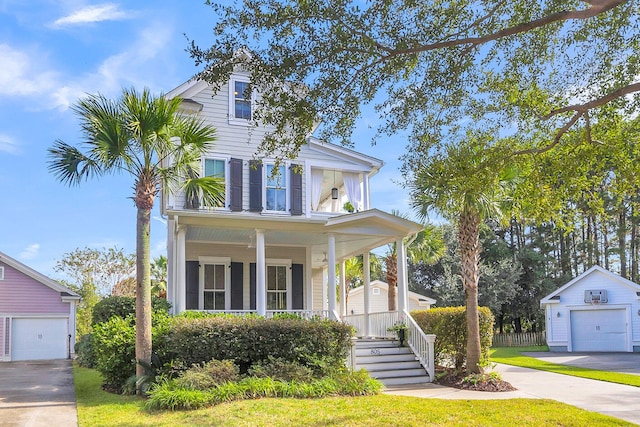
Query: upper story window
(276, 188)
(240, 101)
(216, 168)
(1, 273)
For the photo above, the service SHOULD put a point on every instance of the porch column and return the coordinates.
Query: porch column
(343, 290)
(403, 289)
(171, 262)
(181, 265)
(365, 191)
(261, 274)
(366, 267)
(331, 267)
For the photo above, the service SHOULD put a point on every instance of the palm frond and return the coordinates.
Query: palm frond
(70, 165)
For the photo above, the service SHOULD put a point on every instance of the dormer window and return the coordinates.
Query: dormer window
(240, 100)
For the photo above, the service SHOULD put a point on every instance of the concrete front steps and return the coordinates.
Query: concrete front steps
(387, 362)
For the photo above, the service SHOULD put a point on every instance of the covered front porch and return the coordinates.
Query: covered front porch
(268, 264)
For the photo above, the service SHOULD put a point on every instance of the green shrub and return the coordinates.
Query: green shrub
(85, 355)
(114, 347)
(321, 345)
(169, 396)
(280, 369)
(122, 306)
(449, 324)
(208, 375)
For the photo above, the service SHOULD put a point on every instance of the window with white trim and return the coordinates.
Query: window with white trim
(214, 283)
(375, 291)
(1, 273)
(217, 168)
(275, 188)
(278, 285)
(240, 101)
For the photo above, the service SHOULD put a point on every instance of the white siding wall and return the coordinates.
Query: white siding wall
(618, 294)
(318, 292)
(242, 142)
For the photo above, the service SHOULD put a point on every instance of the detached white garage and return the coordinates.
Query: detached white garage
(37, 314)
(597, 311)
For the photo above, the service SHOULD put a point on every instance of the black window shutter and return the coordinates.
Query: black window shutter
(297, 287)
(252, 286)
(296, 190)
(192, 282)
(235, 184)
(236, 286)
(255, 186)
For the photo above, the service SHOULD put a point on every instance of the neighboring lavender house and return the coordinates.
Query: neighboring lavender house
(37, 314)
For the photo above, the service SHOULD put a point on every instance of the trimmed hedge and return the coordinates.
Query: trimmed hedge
(449, 324)
(321, 345)
(122, 307)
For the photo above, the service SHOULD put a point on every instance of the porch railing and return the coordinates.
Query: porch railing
(379, 323)
(305, 314)
(421, 344)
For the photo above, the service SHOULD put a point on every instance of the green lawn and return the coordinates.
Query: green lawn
(99, 408)
(513, 356)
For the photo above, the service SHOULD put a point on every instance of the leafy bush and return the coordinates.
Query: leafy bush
(449, 324)
(280, 369)
(85, 355)
(168, 395)
(208, 375)
(321, 345)
(114, 347)
(122, 306)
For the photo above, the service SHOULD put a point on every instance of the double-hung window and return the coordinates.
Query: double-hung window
(217, 169)
(278, 280)
(241, 100)
(214, 283)
(276, 188)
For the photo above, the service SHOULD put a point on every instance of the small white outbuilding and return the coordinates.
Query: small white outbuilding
(379, 299)
(596, 311)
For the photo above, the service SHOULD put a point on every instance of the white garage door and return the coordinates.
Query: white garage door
(39, 339)
(599, 330)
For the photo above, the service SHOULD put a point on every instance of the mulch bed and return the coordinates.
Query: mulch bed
(452, 378)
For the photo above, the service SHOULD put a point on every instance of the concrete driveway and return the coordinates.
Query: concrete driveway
(628, 363)
(38, 393)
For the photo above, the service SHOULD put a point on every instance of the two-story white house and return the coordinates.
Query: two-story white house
(272, 245)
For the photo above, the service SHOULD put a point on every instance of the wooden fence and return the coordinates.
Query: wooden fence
(523, 339)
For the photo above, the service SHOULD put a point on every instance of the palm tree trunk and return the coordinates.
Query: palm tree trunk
(143, 290)
(392, 281)
(469, 238)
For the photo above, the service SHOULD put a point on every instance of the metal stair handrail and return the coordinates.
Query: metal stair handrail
(421, 344)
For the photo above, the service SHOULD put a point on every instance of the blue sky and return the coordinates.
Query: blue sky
(53, 52)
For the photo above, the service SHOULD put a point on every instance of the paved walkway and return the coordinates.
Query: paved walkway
(37, 394)
(617, 400)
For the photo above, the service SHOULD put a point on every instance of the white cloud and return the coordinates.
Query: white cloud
(8, 145)
(22, 75)
(91, 14)
(30, 252)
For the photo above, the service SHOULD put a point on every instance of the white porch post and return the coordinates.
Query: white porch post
(366, 267)
(365, 191)
(181, 265)
(403, 288)
(343, 290)
(331, 267)
(171, 262)
(261, 274)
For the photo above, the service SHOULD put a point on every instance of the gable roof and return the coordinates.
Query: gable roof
(385, 286)
(555, 295)
(39, 277)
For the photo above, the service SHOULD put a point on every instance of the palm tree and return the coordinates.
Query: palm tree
(159, 276)
(146, 137)
(428, 247)
(467, 183)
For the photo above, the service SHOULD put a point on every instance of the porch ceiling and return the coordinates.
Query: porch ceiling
(354, 233)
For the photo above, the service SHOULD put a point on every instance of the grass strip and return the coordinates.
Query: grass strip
(513, 356)
(99, 408)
